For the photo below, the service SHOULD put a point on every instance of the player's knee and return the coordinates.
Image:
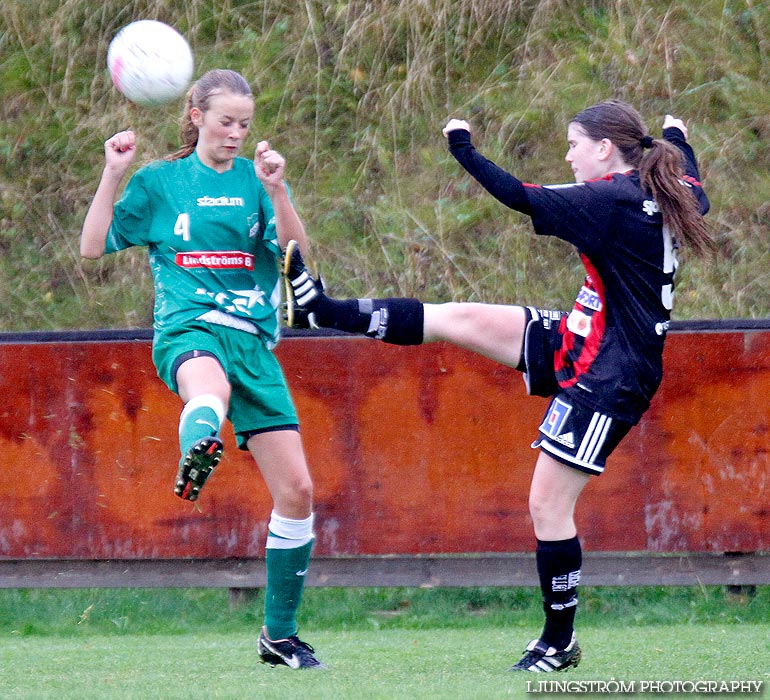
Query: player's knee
(538, 511)
(303, 491)
(550, 516)
(295, 495)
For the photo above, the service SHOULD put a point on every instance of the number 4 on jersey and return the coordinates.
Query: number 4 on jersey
(182, 226)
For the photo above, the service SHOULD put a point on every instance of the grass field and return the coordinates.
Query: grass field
(376, 665)
(379, 644)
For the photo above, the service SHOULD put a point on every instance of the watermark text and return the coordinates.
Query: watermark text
(620, 687)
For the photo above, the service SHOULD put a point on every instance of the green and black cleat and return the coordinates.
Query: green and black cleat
(196, 467)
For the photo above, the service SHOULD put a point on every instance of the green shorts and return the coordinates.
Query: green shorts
(259, 399)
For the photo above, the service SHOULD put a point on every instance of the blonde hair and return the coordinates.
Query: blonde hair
(199, 95)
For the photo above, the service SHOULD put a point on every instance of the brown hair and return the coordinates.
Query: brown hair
(199, 95)
(660, 165)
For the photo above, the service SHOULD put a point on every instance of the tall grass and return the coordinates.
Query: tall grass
(355, 93)
(103, 611)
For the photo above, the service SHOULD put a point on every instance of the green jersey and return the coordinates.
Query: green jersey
(212, 243)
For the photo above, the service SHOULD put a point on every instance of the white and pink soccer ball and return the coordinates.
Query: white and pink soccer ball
(150, 63)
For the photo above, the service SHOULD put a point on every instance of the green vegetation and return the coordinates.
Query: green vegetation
(355, 94)
(85, 612)
(383, 644)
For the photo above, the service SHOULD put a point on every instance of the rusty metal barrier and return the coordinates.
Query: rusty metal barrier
(421, 460)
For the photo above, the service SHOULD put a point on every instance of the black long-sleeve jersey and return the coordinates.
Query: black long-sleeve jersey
(611, 357)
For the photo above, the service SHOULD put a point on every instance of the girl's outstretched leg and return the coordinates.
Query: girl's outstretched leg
(493, 330)
(396, 320)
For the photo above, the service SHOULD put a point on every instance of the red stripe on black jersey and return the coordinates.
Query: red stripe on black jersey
(578, 352)
(598, 317)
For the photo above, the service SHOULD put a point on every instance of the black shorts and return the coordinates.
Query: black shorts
(578, 435)
(542, 339)
(571, 432)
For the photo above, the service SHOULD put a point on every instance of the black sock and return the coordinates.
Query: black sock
(397, 320)
(558, 566)
(340, 314)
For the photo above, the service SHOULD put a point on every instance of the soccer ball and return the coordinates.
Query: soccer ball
(150, 62)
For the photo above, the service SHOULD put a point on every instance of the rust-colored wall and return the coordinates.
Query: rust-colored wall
(413, 450)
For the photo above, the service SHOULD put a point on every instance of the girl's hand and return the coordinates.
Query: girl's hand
(119, 151)
(454, 124)
(673, 121)
(269, 165)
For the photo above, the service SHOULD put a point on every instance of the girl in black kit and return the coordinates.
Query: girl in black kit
(634, 201)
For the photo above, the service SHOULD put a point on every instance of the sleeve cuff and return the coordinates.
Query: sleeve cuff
(458, 137)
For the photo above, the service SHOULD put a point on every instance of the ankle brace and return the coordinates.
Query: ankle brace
(398, 321)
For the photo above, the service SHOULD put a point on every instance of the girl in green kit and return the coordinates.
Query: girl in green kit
(215, 225)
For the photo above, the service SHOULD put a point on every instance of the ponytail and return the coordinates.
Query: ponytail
(661, 172)
(187, 130)
(660, 165)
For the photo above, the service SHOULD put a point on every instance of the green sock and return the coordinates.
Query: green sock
(286, 569)
(201, 417)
